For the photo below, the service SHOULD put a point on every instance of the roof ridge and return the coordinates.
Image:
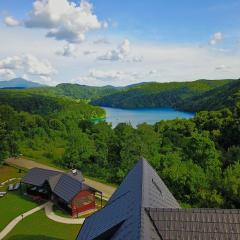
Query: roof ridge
(61, 173)
(142, 160)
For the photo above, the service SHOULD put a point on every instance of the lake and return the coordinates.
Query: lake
(148, 115)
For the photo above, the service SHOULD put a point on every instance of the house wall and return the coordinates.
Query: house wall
(82, 202)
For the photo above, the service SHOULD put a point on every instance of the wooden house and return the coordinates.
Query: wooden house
(68, 190)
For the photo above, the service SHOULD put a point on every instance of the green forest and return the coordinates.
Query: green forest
(199, 159)
(188, 96)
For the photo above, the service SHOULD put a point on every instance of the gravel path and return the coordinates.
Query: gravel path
(28, 164)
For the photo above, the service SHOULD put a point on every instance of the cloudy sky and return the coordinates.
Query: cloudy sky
(103, 42)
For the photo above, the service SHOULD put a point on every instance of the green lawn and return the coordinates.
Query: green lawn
(38, 227)
(61, 212)
(37, 156)
(7, 172)
(12, 205)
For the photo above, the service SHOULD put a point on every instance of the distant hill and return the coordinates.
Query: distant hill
(32, 102)
(19, 83)
(189, 96)
(215, 99)
(85, 92)
(154, 94)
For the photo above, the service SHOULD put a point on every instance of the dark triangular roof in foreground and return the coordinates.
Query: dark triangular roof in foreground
(141, 188)
(143, 208)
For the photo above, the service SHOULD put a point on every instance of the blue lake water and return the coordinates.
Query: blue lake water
(147, 115)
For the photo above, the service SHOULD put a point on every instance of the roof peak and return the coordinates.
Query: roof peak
(145, 182)
(141, 188)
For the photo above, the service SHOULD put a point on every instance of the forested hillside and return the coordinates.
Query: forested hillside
(217, 98)
(35, 103)
(85, 92)
(161, 95)
(190, 96)
(140, 95)
(76, 91)
(197, 158)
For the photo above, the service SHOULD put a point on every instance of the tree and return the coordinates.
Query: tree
(3, 146)
(79, 151)
(202, 151)
(13, 148)
(231, 186)
(231, 156)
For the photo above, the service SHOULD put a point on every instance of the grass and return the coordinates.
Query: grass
(38, 227)
(38, 156)
(12, 205)
(61, 212)
(101, 181)
(7, 172)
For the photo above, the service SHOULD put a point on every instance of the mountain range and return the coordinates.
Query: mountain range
(19, 83)
(188, 96)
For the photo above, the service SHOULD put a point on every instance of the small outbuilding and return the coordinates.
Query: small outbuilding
(67, 190)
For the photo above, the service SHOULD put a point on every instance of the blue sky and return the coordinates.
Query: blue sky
(120, 42)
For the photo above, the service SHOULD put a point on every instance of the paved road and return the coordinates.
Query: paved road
(28, 164)
(16, 220)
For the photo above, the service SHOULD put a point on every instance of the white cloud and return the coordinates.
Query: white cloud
(124, 47)
(105, 75)
(88, 52)
(216, 38)
(7, 74)
(69, 50)
(11, 22)
(46, 80)
(173, 62)
(63, 19)
(118, 54)
(115, 77)
(137, 59)
(101, 41)
(26, 64)
(153, 72)
(222, 67)
(25, 76)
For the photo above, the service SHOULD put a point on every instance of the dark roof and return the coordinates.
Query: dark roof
(67, 187)
(38, 176)
(143, 208)
(141, 188)
(64, 185)
(76, 174)
(53, 181)
(201, 224)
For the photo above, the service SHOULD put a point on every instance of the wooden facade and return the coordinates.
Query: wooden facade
(83, 201)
